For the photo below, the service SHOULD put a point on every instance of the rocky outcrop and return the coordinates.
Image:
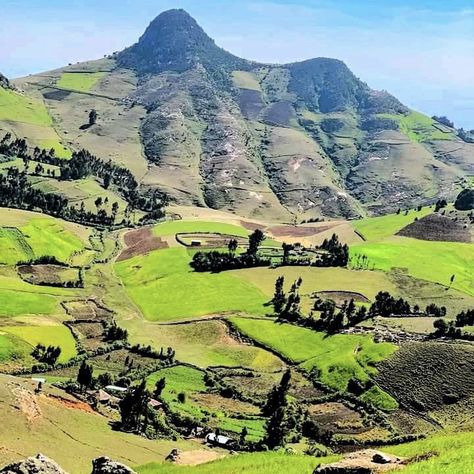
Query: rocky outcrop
(39, 464)
(4, 82)
(367, 461)
(104, 465)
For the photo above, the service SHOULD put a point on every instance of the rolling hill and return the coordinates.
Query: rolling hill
(280, 142)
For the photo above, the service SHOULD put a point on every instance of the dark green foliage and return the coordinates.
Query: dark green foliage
(133, 408)
(92, 117)
(277, 397)
(46, 355)
(115, 333)
(465, 200)
(159, 387)
(465, 318)
(386, 305)
(84, 375)
(255, 239)
(446, 329)
(279, 298)
(434, 310)
(337, 253)
(216, 261)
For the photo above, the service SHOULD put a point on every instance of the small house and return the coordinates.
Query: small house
(114, 389)
(195, 243)
(219, 440)
(155, 404)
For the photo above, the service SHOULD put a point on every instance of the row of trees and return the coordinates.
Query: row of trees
(215, 261)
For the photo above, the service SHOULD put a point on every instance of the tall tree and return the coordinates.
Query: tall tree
(279, 298)
(92, 117)
(255, 239)
(84, 376)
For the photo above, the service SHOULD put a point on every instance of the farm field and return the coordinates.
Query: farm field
(432, 261)
(58, 335)
(378, 228)
(79, 81)
(203, 343)
(337, 358)
(227, 414)
(165, 288)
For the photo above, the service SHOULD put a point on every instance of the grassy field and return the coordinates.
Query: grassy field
(377, 228)
(204, 343)
(220, 411)
(246, 80)
(454, 454)
(58, 335)
(255, 463)
(432, 261)
(337, 358)
(59, 429)
(12, 349)
(79, 81)
(16, 107)
(165, 288)
(317, 279)
(418, 127)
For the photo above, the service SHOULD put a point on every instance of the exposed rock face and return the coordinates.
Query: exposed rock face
(39, 464)
(367, 461)
(4, 82)
(104, 465)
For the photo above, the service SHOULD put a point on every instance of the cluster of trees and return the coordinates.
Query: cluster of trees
(440, 204)
(216, 261)
(445, 328)
(287, 306)
(465, 318)
(333, 321)
(15, 191)
(285, 418)
(148, 351)
(115, 333)
(465, 200)
(337, 253)
(386, 305)
(46, 355)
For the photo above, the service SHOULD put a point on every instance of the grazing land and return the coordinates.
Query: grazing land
(79, 81)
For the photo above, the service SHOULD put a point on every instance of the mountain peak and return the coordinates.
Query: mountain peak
(174, 41)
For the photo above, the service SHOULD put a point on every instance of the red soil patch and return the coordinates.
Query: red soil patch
(251, 225)
(297, 231)
(140, 242)
(71, 404)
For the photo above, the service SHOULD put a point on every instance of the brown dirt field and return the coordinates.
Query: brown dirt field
(228, 405)
(341, 296)
(337, 417)
(86, 310)
(251, 225)
(297, 231)
(71, 404)
(198, 456)
(140, 242)
(47, 274)
(436, 227)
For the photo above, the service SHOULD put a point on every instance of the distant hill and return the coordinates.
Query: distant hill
(280, 142)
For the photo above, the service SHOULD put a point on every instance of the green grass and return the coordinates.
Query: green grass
(204, 344)
(246, 80)
(165, 288)
(14, 246)
(60, 150)
(79, 81)
(16, 107)
(454, 453)
(46, 335)
(12, 348)
(418, 127)
(432, 261)
(13, 303)
(174, 227)
(49, 237)
(255, 463)
(190, 381)
(377, 228)
(337, 358)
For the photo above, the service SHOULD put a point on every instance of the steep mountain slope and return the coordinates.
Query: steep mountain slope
(300, 140)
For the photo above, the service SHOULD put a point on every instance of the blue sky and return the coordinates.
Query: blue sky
(421, 51)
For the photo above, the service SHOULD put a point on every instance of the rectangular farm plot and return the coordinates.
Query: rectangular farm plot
(79, 81)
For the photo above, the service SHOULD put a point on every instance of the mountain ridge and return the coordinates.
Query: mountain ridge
(300, 141)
